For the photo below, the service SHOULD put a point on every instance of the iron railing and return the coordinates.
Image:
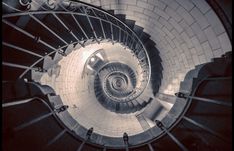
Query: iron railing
(76, 8)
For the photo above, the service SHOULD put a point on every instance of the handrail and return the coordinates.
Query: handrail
(133, 34)
(52, 112)
(181, 116)
(178, 119)
(193, 97)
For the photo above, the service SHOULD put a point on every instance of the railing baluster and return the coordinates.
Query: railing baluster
(70, 31)
(52, 112)
(205, 128)
(219, 78)
(33, 121)
(112, 35)
(33, 37)
(17, 65)
(119, 34)
(42, 24)
(11, 7)
(161, 126)
(19, 29)
(56, 138)
(103, 31)
(56, 50)
(75, 13)
(212, 101)
(81, 146)
(9, 104)
(85, 13)
(109, 21)
(125, 139)
(126, 40)
(13, 103)
(90, 23)
(185, 96)
(19, 102)
(132, 43)
(176, 141)
(150, 147)
(88, 135)
(78, 24)
(21, 49)
(28, 34)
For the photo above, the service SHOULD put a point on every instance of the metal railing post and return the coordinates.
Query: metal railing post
(161, 126)
(125, 139)
(185, 96)
(88, 135)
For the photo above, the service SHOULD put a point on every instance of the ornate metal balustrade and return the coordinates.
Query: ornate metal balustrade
(103, 25)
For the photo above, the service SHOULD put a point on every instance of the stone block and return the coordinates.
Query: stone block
(186, 15)
(168, 32)
(207, 50)
(225, 42)
(197, 45)
(195, 59)
(161, 13)
(218, 53)
(199, 17)
(186, 4)
(173, 14)
(199, 33)
(131, 2)
(151, 14)
(186, 39)
(172, 3)
(202, 5)
(184, 47)
(202, 58)
(117, 7)
(186, 28)
(177, 35)
(215, 22)
(175, 25)
(159, 4)
(165, 23)
(145, 5)
(213, 40)
(171, 43)
(134, 8)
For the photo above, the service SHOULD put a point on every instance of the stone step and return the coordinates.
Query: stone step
(154, 110)
(111, 12)
(138, 30)
(186, 86)
(130, 23)
(144, 37)
(121, 17)
(55, 100)
(36, 75)
(48, 62)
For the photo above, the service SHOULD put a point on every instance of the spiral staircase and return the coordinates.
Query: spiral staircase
(39, 35)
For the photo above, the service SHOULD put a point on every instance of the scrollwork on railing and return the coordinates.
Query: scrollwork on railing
(26, 3)
(51, 4)
(70, 6)
(126, 36)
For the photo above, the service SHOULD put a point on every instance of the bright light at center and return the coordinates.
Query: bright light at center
(92, 59)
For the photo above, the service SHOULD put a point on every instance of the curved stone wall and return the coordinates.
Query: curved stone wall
(186, 32)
